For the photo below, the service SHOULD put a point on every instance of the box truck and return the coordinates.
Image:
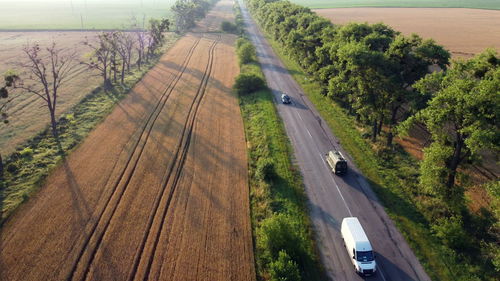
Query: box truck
(358, 246)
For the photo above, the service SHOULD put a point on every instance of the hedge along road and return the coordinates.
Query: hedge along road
(331, 198)
(158, 191)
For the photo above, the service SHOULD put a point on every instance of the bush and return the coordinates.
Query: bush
(451, 232)
(246, 53)
(248, 83)
(282, 233)
(284, 269)
(240, 42)
(265, 169)
(229, 27)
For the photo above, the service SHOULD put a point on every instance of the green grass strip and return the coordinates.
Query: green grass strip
(281, 196)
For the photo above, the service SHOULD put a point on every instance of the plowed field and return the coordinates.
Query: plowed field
(158, 191)
(464, 32)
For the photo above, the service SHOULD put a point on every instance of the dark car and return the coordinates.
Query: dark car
(285, 99)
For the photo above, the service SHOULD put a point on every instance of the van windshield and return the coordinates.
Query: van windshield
(364, 256)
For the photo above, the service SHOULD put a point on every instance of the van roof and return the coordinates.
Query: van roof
(358, 234)
(336, 155)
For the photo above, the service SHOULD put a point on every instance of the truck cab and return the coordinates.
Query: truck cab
(337, 162)
(358, 246)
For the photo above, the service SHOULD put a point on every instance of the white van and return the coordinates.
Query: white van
(358, 246)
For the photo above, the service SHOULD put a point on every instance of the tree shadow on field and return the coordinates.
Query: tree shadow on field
(198, 74)
(79, 204)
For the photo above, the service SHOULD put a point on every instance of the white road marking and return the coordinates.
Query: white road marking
(338, 189)
(300, 117)
(309, 134)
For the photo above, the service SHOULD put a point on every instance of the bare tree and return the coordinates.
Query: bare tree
(46, 73)
(5, 97)
(125, 45)
(140, 46)
(100, 58)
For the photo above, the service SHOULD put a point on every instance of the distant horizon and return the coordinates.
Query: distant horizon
(79, 14)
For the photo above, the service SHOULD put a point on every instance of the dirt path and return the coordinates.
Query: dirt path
(157, 192)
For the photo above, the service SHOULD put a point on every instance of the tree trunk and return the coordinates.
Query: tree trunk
(53, 122)
(380, 123)
(123, 72)
(390, 135)
(453, 164)
(105, 73)
(1, 166)
(374, 131)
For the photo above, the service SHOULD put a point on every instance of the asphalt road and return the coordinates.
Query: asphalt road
(332, 198)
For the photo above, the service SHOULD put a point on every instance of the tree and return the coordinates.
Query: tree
(10, 78)
(141, 38)
(156, 30)
(100, 57)
(184, 15)
(45, 74)
(361, 82)
(409, 60)
(284, 268)
(246, 53)
(248, 83)
(462, 117)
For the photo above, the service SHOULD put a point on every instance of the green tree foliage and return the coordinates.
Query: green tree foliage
(368, 68)
(156, 29)
(229, 27)
(186, 12)
(451, 232)
(385, 80)
(462, 116)
(284, 268)
(246, 53)
(280, 233)
(247, 83)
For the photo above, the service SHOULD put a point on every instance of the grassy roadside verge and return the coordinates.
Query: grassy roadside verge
(27, 168)
(393, 179)
(282, 232)
(278, 205)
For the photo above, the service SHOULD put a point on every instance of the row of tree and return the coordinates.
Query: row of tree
(112, 52)
(43, 71)
(186, 12)
(384, 78)
(392, 81)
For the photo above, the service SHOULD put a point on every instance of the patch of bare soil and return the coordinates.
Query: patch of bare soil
(158, 191)
(464, 32)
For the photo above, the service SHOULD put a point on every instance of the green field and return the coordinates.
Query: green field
(79, 14)
(476, 4)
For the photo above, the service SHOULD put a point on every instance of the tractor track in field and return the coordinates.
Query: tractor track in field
(137, 149)
(158, 190)
(182, 148)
